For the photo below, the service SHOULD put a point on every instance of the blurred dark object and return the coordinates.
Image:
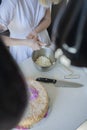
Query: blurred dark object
(0, 1)
(13, 91)
(70, 31)
(54, 10)
(6, 33)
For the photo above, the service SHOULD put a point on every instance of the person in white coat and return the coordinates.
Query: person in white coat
(27, 21)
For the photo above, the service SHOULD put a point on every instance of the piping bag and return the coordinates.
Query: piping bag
(13, 90)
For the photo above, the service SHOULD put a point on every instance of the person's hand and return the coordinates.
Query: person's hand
(34, 44)
(33, 35)
(41, 44)
(38, 45)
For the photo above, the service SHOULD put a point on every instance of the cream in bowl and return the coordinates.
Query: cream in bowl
(44, 59)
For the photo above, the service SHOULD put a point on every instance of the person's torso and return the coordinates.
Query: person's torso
(26, 17)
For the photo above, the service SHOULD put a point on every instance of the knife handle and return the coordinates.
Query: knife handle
(46, 80)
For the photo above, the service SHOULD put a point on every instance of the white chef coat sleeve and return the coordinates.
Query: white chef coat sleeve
(7, 9)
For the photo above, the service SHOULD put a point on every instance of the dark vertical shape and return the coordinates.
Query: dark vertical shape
(13, 91)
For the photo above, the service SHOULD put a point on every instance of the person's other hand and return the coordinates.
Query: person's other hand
(41, 44)
(33, 35)
(34, 44)
(38, 45)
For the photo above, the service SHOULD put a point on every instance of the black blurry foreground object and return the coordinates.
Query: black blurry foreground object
(0, 1)
(70, 31)
(13, 91)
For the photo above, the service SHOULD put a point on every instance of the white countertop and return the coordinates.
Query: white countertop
(68, 106)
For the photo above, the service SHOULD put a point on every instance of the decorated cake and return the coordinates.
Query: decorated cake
(37, 106)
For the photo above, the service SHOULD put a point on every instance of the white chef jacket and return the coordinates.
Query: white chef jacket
(21, 17)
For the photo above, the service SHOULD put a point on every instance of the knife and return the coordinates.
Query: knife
(59, 83)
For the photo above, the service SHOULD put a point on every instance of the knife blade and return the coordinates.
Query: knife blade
(59, 83)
